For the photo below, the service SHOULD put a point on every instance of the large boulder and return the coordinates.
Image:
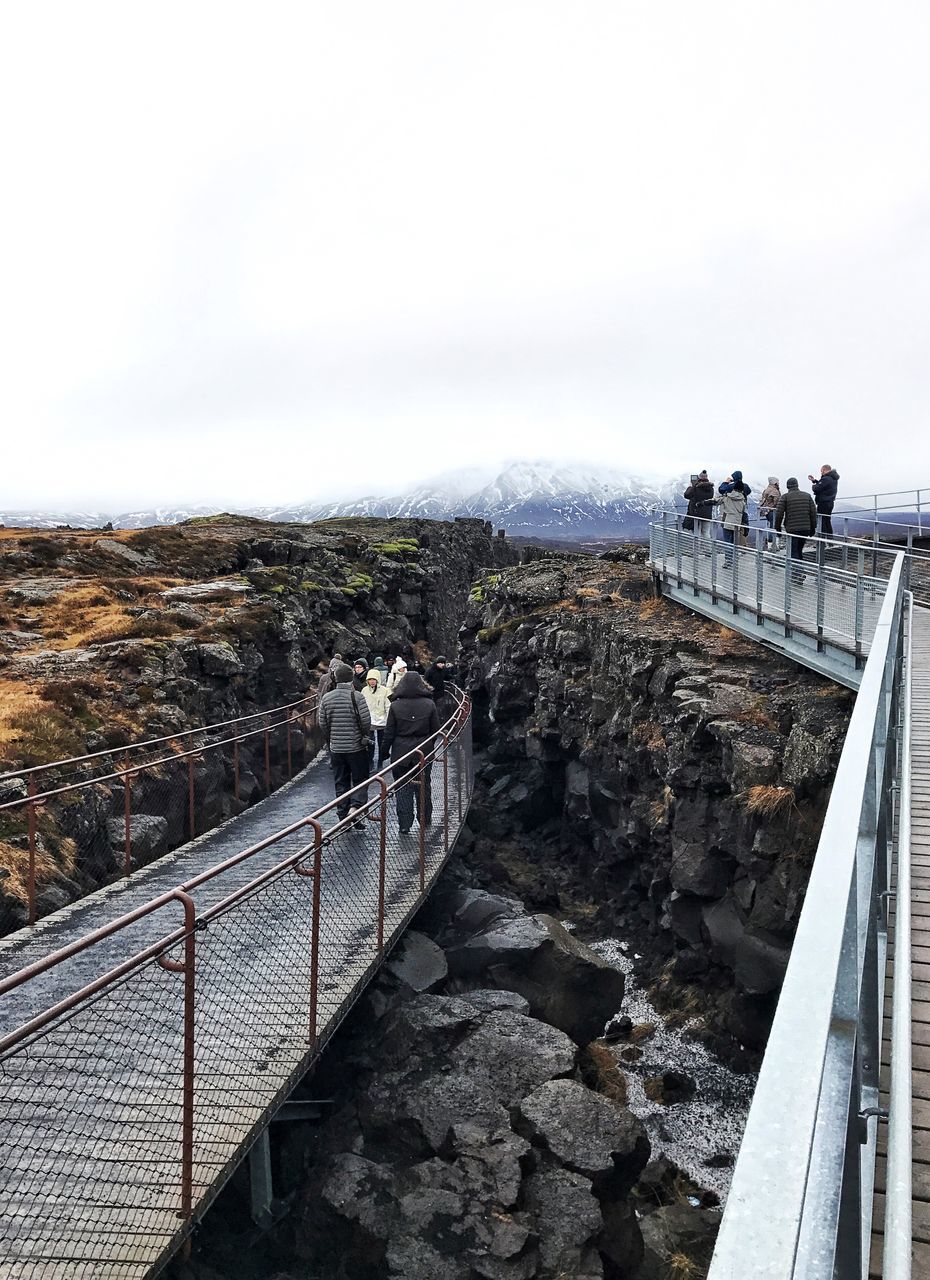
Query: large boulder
(418, 962)
(565, 1203)
(453, 1074)
(585, 1131)
(566, 983)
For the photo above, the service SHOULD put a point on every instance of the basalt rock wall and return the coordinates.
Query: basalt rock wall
(650, 771)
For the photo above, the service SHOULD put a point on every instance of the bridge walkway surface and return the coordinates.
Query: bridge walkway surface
(920, 966)
(136, 1072)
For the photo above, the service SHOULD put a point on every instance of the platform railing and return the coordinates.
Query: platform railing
(129, 1102)
(828, 597)
(801, 1201)
(165, 778)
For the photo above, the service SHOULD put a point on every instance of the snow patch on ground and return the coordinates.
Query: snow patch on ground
(690, 1133)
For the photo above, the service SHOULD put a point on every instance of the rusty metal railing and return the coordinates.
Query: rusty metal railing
(128, 1102)
(107, 779)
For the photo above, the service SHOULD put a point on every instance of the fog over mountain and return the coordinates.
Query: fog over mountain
(530, 499)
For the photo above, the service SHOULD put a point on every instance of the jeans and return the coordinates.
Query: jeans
(349, 768)
(409, 794)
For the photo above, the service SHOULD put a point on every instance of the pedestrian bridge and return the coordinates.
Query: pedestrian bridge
(832, 1180)
(151, 1031)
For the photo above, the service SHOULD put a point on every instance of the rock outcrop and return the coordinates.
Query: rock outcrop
(655, 769)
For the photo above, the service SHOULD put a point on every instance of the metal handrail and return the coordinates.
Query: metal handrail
(898, 1226)
(150, 742)
(800, 1203)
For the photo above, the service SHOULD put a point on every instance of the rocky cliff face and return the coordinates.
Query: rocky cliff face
(110, 639)
(653, 771)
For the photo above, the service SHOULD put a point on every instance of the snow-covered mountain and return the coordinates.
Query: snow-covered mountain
(532, 499)
(529, 499)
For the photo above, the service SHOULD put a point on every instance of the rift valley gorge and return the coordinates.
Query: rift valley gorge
(548, 1077)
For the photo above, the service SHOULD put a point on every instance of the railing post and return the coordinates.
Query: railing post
(445, 788)
(267, 761)
(187, 967)
(191, 819)
(678, 549)
(127, 819)
(382, 864)
(788, 563)
(236, 769)
(713, 563)
(735, 585)
(860, 601)
(845, 543)
(290, 766)
(317, 875)
(422, 758)
(821, 570)
(759, 579)
(664, 542)
(31, 821)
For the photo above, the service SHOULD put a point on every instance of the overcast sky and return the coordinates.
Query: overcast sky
(259, 253)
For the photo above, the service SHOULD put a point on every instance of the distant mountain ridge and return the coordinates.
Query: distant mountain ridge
(529, 499)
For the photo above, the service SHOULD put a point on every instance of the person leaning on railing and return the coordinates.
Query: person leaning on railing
(345, 723)
(700, 495)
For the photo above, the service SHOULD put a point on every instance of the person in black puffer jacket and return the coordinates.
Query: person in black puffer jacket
(825, 495)
(796, 511)
(413, 721)
(700, 495)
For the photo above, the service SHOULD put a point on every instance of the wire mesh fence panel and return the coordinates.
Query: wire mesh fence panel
(91, 1133)
(123, 1118)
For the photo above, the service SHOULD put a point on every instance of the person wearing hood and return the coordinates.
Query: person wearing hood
(412, 722)
(734, 503)
(379, 704)
(796, 511)
(771, 496)
(359, 674)
(397, 673)
(825, 496)
(700, 495)
(379, 666)
(345, 723)
(328, 681)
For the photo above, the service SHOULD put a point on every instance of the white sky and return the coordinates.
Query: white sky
(270, 252)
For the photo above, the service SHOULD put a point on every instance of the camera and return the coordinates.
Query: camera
(694, 479)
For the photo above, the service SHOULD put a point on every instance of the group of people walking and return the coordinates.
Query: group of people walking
(795, 512)
(370, 712)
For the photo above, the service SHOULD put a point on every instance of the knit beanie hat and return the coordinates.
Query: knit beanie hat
(773, 479)
(791, 482)
(442, 658)
(343, 673)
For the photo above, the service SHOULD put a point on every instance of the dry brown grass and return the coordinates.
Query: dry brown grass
(646, 733)
(601, 1072)
(97, 612)
(683, 1267)
(756, 714)
(651, 608)
(767, 801)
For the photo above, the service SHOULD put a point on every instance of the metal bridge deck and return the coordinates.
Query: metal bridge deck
(920, 966)
(93, 1106)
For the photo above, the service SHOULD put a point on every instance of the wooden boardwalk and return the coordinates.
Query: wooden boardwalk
(920, 968)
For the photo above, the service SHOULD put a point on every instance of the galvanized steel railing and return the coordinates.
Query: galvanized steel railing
(801, 1201)
(128, 1103)
(821, 609)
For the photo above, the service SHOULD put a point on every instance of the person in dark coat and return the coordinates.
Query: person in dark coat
(436, 677)
(359, 674)
(345, 723)
(825, 495)
(796, 511)
(413, 721)
(700, 495)
(382, 668)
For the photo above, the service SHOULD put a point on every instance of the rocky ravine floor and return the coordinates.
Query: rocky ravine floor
(478, 1126)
